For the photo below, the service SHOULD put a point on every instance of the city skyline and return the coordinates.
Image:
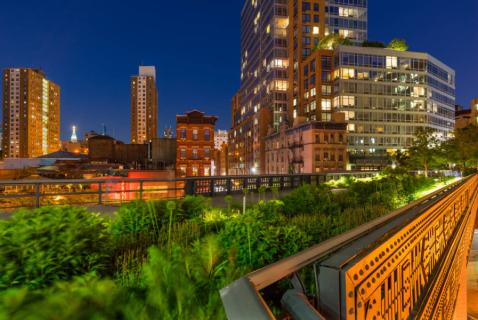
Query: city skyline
(92, 61)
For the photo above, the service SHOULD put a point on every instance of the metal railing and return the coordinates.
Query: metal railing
(403, 265)
(36, 193)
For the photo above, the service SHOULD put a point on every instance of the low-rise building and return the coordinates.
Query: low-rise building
(308, 147)
(195, 144)
(466, 117)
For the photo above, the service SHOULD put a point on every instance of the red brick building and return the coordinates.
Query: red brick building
(195, 144)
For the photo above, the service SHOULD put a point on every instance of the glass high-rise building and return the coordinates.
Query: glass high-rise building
(387, 94)
(276, 37)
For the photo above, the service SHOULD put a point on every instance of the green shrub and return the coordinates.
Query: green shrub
(309, 199)
(259, 237)
(194, 206)
(84, 298)
(185, 284)
(44, 245)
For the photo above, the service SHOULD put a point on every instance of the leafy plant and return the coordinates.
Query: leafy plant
(45, 245)
(398, 45)
(259, 237)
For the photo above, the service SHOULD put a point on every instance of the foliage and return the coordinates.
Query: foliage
(171, 258)
(185, 284)
(398, 45)
(260, 237)
(373, 44)
(84, 298)
(194, 206)
(425, 153)
(462, 149)
(332, 40)
(308, 199)
(49, 244)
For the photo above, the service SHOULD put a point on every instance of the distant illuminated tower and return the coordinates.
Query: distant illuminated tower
(31, 113)
(144, 106)
(74, 138)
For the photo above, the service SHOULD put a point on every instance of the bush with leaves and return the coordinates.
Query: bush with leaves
(261, 237)
(309, 199)
(185, 284)
(45, 245)
(85, 297)
(194, 206)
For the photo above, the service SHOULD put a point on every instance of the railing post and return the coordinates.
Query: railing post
(229, 185)
(281, 183)
(100, 193)
(211, 187)
(37, 195)
(189, 187)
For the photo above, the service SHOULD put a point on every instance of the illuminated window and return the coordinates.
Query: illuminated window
(315, 30)
(326, 105)
(207, 171)
(347, 73)
(195, 171)
(195, 134)
(392, 62)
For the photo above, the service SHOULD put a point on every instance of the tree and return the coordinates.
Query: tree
(401, 158)
(398, 45)
(462, 149)
(425, 152)
(330, 41)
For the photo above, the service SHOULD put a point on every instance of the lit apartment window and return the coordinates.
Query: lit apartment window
(195, 154)
(182, 171)
(207, 171)
(183, 153)
(195, 171)
(195, 134)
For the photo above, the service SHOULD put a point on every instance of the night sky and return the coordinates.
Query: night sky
(92, 47)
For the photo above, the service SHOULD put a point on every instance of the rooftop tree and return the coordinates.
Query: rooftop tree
(398, 45)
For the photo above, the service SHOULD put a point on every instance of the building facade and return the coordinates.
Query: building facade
(387, 95)
(220, 138)
(276, 36)
(195, 144)
(31, 114)
(467, 117)
(144, 106)
(308, 147)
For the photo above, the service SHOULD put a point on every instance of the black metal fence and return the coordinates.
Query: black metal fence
(36, 193)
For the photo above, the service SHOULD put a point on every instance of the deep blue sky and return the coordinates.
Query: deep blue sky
(92, 47)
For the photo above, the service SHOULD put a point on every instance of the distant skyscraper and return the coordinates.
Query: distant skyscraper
(31, 114)
(144, 105)
(220, 138)
(74, 137)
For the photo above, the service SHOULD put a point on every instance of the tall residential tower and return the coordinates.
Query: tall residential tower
(276, 36)
(31, 114)
(144, 106)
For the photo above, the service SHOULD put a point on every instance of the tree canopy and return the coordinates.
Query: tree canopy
(425, 153)
(398, 45)
(330, 41)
